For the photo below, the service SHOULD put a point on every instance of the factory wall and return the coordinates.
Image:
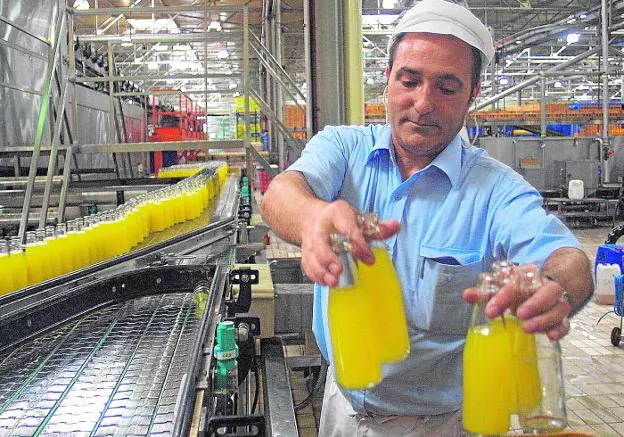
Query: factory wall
(23, 63)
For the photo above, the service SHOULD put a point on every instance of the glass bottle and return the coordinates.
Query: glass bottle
(18, 263)
(47, 267)
(67, 258)
(54, 251)
(382, 282)
(541, 398)
(356, 353)
(487, 368)
(6, 278)
(34, 259)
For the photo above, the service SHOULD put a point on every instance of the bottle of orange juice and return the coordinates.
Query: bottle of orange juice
(47, 266)
(18, 263)
(54, 251)
(380, 280)
(537, 362)
(356, 353)
(488, 378)
(35, 259)
(6, 278)
(67, 260)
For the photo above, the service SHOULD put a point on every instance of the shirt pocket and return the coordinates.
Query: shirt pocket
(444, 275)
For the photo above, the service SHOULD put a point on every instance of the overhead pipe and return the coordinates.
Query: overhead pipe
(534, 79)
(606, 173)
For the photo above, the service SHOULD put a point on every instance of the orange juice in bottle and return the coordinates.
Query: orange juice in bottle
(382, 282)
(47, 265)
(6, 278)
(74, 239)
(18, 263)
(53, 251)
(356, 357)
(34, 259)
(488, 378)
(67, 260)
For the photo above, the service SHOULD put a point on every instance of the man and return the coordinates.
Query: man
(448, 211)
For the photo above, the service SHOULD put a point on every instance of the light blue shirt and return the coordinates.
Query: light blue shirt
(457, 215)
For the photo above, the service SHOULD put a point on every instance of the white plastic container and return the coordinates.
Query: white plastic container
(605, 283)
(576, 189)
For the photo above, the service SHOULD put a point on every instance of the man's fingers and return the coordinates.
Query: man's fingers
(559, 331)
(548, 320)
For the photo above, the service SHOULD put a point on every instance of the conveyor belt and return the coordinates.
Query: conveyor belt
(116, 348)
(114, 371)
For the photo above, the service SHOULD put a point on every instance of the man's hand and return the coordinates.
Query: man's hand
(546, 310)
(318, 260)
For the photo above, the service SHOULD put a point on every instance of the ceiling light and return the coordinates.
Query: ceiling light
(519, 41)
(232, 85)
(558, 84)
(573, 37)
(387, 4)
(370, 81)
(503, 81)
(81, 5)
(152, 66)
(215, 25)
(223, 54)
(161, 48)
(583, 16)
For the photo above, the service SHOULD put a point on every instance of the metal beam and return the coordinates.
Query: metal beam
(155, 147)
(151, 78)
(45, 100)
(156, 10)
(164, 37)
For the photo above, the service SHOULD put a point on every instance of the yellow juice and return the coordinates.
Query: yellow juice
(144, 221)
(356, 357)
(64, 254)
(53, 254)
(177, 206)
(528, 392)
(35, 260)
(155, 215)
(17, 261)
(88, 244)
(120, 237)
(487, 379)
(74, 245)
(381, 281)
(6, 277)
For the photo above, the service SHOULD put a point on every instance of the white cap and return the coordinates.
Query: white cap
(446, 18)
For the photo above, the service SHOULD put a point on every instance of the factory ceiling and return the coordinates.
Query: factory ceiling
(531, 36)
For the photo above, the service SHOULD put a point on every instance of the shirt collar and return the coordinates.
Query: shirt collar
(448, 161)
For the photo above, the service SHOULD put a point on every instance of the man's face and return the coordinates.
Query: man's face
(428, 92)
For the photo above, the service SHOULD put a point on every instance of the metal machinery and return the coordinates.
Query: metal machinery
(168, 125)
(125, 346)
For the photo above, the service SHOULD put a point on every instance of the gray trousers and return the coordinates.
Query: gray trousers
(338, 419)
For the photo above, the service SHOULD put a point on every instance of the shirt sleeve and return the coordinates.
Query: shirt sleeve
(522, 230)
(323, 163)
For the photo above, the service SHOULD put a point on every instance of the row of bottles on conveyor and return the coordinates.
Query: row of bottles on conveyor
(509, 374)
(181, 170)
(56, 250)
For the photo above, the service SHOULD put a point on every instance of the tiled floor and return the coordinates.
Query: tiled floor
(593, 367)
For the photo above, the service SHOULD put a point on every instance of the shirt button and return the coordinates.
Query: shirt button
(397, 197)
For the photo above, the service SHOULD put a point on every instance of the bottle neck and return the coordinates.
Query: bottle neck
(347, 276)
